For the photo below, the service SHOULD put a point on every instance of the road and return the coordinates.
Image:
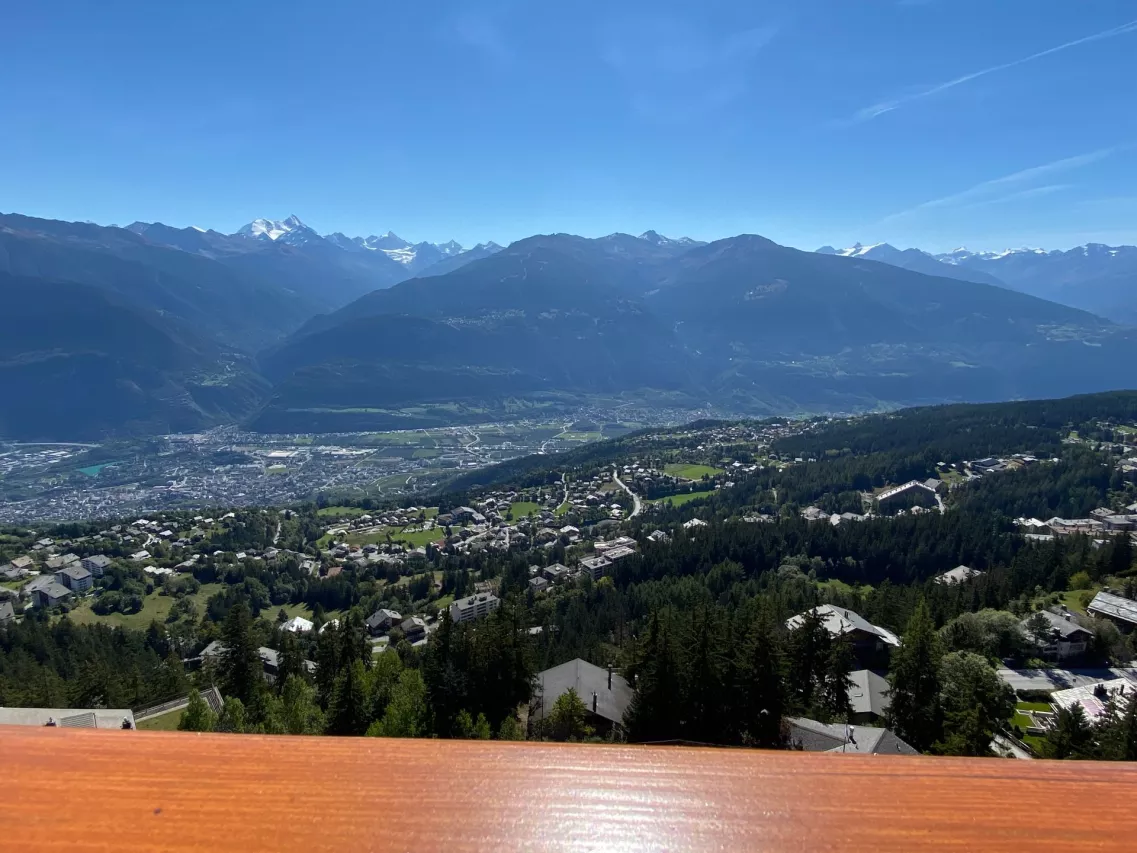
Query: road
(638, 505)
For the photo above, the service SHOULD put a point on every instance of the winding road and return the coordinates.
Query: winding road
(638, 504)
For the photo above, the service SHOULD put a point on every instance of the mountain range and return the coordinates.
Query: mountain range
(151, 328)
(1096, 278)
(743, 322)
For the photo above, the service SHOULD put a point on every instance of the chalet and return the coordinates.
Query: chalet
(538, 584)
(812, 736)
(382, 621)
(1117, 609)
(1066, 638)
(694, 523)
(606, 695)
(414, 629)
(867, 639)
(959, 574)
(298, 625)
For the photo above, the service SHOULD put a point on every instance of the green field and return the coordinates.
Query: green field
(341, 512)
(415, 538)
(426, 453)
(520, 509)
(562, 509)
(164, 723)
(679, 500)
(689, 471)
(155, 607)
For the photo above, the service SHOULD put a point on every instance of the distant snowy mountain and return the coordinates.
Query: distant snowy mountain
(1095, 277)
(657, 239)
(911, 259)
(290, 231)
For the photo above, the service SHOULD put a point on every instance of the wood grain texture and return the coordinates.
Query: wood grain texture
(116, 791)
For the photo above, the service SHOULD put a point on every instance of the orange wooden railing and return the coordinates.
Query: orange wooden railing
(69, 791)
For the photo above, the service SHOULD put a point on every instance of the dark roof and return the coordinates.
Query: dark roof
(7, 612)
(75, 572)
(812, 736)
(1064, 626)
(586, 679)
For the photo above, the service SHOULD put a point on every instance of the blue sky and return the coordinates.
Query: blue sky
(932, 123)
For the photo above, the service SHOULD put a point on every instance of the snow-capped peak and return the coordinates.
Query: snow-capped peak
(275, 229)
(657, 239)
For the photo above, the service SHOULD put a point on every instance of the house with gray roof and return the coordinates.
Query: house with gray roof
(959, 574)
(96, 564)
(1065, 638)
(1117, 609)
(7, 613)
(812, 736)
(606, 695)
(868, 696)
(871, 643)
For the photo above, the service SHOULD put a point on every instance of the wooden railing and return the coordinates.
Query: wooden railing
(127, 790)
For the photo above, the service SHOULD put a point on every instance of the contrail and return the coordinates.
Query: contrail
(871, 112)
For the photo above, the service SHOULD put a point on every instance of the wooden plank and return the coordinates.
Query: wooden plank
(116, 791)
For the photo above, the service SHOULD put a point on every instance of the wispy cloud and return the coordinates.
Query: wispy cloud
(675, 72)
(999, 190)
(872, 111)
(480, 32)
(1033, 192)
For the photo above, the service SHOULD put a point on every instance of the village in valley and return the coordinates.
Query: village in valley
(306, 566)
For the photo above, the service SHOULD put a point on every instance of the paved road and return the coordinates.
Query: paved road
(1060, 679)
(638, 506)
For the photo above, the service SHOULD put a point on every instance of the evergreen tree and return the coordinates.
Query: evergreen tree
(761, 684)
(349, 709)
(240, 664)
(407, 714)
(654, 713)
(808, 655)
(836, 684)
(198, 716)
(300, 713)
(975, 701)
(707, 712)
(291, 660)
(915, 713)
(567, 719)
(1071, 735)
(232, 718)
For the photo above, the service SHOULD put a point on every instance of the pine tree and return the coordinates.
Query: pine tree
(407, 714)
(1070, 736)
(567, 719)
(761, 684)
(232, 718)
(349, 709)
(836, 682)
(654, 713)
(915, 714)
(291, 660)
(808, 654)
(300, 713)
(241, 664)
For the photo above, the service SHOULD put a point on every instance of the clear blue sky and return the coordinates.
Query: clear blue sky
(932, 123)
